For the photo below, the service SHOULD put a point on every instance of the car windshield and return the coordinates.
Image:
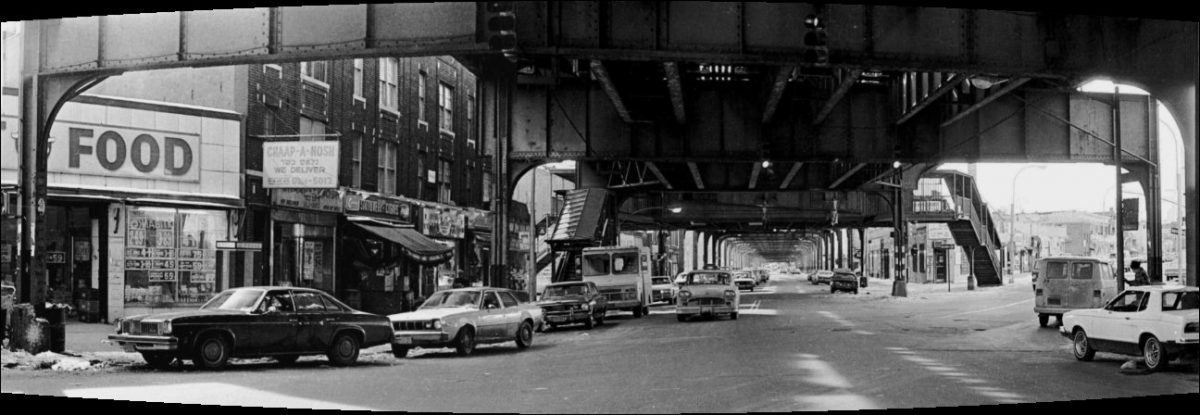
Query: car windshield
(741, 275)
(451, 299)
(242, 300)
(564, 290)
(660, 281)
(709, 278)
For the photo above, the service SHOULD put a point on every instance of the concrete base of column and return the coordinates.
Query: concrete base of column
(971, 283)
(899, 288)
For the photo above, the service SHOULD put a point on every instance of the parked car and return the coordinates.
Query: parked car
(463, 318)
(662, 289)
(573, 302)
(744, 280)
(281, 322)
(707, 293)
(844, 280)
(1067, 283)
(1158, 323)
(821, 277)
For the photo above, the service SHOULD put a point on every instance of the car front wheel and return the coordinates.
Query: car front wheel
(465, 344)
(1155, 355)
(399, 351)
(212, 352)
(681, 317)
(1083, 351)
(344, 351)
(525, 334)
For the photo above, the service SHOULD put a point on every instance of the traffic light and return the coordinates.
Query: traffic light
(501, 26)
(817, 40)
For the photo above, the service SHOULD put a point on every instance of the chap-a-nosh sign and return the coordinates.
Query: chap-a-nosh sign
(300, 164)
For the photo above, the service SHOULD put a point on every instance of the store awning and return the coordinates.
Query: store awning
(416, 246)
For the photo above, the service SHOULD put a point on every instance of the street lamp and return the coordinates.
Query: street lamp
(1012, 219)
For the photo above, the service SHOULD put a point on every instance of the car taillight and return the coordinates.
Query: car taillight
(1190, 328)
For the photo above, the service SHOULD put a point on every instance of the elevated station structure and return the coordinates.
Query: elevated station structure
(750, 116)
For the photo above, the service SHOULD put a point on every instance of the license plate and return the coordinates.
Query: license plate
(557, 319)
(403, 340)
(705, 309)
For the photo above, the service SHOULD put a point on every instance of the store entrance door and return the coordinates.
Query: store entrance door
(939, 260)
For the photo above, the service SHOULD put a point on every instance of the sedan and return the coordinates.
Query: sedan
(744, 280)
(573, 302)
(844, 280)
(1158, 323)
(708, 293)
(281, 322)
(662, 289)
(463, 318)
(821, 277)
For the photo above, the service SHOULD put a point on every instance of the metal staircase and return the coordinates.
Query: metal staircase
(952, 198)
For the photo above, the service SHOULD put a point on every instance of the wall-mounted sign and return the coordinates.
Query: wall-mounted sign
(300, 164)
(56, 257)
(100, 150)
(239, 246)
(444, 222)
(362, 203)
(325, 200)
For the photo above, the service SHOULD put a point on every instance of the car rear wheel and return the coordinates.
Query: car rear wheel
(1155, 355)
(399, 351)
(158, 360)
(1083, 351)
(344, 351)
(1043, 320)
(733, 315)
(600, 318)
(465, 343)
(832, 289)
(681, 317)
(287, 359)
(525, 334)
(637, 312)
(212, 352)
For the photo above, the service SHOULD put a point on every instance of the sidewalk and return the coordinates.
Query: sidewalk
(1020, 280)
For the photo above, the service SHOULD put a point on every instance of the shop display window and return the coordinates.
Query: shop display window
(171, 256)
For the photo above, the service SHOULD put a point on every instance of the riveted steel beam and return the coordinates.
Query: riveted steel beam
(945, 88)
(1012, 85)
(847, 175)
(754, 175)
(611, 89)
(676, 87)
(696, 175)
(844, 87)
(781, 80)
(787, 180)
(657, 173)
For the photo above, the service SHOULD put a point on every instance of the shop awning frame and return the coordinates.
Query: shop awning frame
(415, 245)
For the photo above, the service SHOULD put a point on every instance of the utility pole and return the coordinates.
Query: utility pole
(1119, 231)
(532, 285)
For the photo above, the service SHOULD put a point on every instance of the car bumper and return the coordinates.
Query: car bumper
(742, 285)
(568, 317)
(132, 343)
(1053, 310)
(848, 285)
(703, 310)
(1182, 348)
(420, 338)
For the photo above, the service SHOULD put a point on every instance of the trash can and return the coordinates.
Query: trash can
(56, 329)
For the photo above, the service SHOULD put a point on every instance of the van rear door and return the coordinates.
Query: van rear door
(1054, 283)
(1085, 289)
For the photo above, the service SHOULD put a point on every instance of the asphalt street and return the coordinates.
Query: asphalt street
(795, 347)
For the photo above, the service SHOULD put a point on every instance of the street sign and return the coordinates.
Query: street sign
(239, 246)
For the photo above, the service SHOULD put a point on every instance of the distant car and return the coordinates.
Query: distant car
(707, 292)
(821, 277)
(573, 302)
(1158, 323)
(662, 289)
(281, 322)
(844, 280)
(744, 280)
(463, 318)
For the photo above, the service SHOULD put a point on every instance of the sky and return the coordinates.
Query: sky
(1079, 186)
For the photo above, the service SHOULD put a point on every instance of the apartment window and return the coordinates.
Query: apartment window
(487, 187)
(421, 98)
(444, 182)
(420, 174)
(311, 130)
(356, 162)
(387, 167)
(388, 84)
(315, 71)
(470, 130)
(445, 107)
(273, 71)
(358, 79)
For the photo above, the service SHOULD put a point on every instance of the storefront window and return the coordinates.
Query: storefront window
(171, 257)
(304, 256)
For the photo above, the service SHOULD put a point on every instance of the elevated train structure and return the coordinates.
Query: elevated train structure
(752, 117)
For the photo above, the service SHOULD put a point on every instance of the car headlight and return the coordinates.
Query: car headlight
(685, 294)
(437, 324)
(585, 307)
(730, 293)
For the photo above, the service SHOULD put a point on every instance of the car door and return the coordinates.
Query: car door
(512, 313)
(314, 333)
(1111, 323)
(491, 316)
(275, 328)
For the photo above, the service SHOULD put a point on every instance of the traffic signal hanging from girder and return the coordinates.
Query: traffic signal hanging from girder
(501, 24)
(816, 40)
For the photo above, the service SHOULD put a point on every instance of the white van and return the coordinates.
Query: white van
(1066, 283)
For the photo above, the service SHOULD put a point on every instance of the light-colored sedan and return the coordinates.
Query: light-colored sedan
(707, 293)
(744, 280)
(464, 317)
(821, 277)
(662, 289)
(1158, 323)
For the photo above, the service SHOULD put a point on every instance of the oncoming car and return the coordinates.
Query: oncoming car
(744, 280)
(707, 293)
(821, 277)
(1158, 323)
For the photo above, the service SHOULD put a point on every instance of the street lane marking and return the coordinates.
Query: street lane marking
(949, 372)
(987, 309)
(823, 374)
(209, 393)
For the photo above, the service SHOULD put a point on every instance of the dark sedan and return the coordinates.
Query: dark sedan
(844, 280)
(573, 302)
(281, 322)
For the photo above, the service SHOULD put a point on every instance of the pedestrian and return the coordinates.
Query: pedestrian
(1139, 274)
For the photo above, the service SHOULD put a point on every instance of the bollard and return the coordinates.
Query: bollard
(56, 329)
